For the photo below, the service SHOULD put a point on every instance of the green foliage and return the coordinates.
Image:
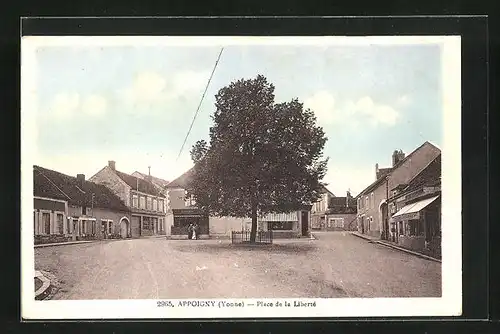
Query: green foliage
(263, 156)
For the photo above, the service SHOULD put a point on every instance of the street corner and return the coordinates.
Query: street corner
(43, 286)
(46, 285)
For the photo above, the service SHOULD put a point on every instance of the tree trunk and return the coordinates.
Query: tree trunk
(253, 231)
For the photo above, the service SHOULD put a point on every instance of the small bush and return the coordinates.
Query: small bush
(50, 239)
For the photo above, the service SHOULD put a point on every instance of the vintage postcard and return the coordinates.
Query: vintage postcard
(235, 177)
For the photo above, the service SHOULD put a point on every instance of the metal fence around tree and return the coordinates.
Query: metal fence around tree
(261, 237)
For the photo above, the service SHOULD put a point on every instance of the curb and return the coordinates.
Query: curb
(44, 290)
(363, 237)
(430, 258)
(64, 243)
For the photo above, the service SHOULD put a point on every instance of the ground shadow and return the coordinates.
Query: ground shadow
(291, 248)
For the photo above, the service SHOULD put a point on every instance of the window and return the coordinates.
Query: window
(135, 201)
(148, 201)
(143, 202)
(68, 226)
(60, 223)
(372, 198)
(155, 205)
(34, 222)
(280, 225)
(110, 227)
(160, 205)
(46, 222)
(366, 202)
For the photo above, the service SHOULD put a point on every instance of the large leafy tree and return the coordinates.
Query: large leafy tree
(263, 156)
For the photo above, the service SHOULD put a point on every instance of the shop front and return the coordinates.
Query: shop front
(417, 225)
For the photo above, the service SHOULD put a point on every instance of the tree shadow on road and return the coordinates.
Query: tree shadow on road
(227, 247)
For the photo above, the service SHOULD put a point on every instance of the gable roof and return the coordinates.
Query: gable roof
(138, 184)
(156, 180)
(429, 176)
(51, 184)
(381, 179)
(326, 190)
(341, 202)
(383, 172)
(181, 181)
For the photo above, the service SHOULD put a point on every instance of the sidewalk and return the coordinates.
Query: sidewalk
(44, 290)
(394, 246)
(66, 243)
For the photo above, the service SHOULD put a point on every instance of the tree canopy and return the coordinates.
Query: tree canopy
(262, 157)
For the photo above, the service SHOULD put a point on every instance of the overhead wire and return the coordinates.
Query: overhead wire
(199, 105)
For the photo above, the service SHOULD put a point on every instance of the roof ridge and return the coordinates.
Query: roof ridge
(423, 169)
(397, 166)
(45, 176)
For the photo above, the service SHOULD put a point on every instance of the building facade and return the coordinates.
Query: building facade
(319, 209)
(146, 204)
(71, 208)
(415, 211)
(182, 210)
(372, 206)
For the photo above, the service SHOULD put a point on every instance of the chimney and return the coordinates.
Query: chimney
(80, 178)
(397, 156)
(112, 164)
(149, 178)
(376, 171)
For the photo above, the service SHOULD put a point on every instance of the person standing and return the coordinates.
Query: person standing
(196, 231)
(190, 231)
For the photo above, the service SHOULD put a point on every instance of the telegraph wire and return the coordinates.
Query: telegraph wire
(199, 105)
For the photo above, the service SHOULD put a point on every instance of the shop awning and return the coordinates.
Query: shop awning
(412, 211)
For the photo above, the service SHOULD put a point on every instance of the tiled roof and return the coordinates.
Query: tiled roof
(181, 181)
(341, 202)
(160, 182)
(382, 178)
(429, 176)
(138, 183)
(52, 184)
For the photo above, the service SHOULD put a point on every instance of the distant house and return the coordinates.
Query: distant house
(67, 207)
(159, 183)
(415, 211)
(341, 214)
(319, 209)
(182, 210)
(331, 213)
(144, 200)
(372, 213)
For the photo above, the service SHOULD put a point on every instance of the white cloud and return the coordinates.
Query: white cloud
(403, 101)
(375, 113)
(323, 105)
(152, 88)
(352, 113)
(67, 105)
(94, 105)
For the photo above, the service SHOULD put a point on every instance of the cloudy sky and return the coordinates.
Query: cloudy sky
(134, 105)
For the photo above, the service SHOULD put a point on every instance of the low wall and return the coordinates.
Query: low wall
(416, 243)
(185, 237)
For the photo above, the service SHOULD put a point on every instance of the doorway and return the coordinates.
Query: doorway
(305, 223)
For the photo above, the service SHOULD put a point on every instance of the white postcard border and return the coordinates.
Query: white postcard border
(448, 305)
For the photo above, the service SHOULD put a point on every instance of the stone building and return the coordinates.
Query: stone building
(145, 202)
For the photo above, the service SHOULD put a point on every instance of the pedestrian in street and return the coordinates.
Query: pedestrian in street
(190, 231)
(195, 234)
(196, 231)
